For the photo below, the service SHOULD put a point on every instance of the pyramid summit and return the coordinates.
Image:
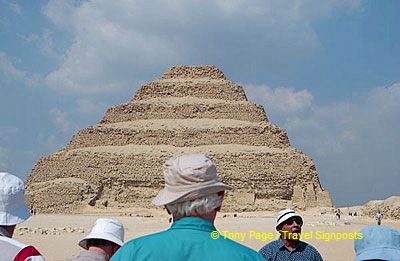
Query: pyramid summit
(117, 163)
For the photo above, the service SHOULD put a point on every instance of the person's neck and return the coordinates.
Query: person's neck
(99, 250)
(7, 231)
(210, 217)
(291, 245)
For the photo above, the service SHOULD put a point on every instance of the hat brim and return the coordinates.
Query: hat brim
(382, 253)
(288, 216)
(14, 217)
(108, 237)
(166, 196)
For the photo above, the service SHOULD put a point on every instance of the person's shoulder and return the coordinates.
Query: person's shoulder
(12, 242)
(29, 253)
(129, 248)
(271, 245)
(147, 238)
(235, 245)
(269, 248)
(238, 249)
(308, 246)
(311, 249)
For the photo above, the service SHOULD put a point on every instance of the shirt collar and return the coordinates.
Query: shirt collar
(195, 223)
(300, 245)
(92, 255)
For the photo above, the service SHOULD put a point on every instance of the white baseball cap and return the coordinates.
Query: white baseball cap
(107, 229)
(12, 204)
(285, 215)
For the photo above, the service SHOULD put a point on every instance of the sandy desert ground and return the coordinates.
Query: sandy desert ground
(56, 236)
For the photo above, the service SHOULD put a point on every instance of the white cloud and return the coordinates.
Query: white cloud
(47, 44)
(355, 144)
(10, 71)
(16, 8)
(30, 37)
(49, 144)
(44, 43)
(90, 107)
(280, 99)
(62, 121)
(116, 44)
(7, 133)
(3, 159)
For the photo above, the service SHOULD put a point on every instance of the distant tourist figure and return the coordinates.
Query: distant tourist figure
(378, 243)
(13, 211)
(378, 217)
(338, 214)
(33, 211)
(192, 195)
(289, 246)
(105, 238)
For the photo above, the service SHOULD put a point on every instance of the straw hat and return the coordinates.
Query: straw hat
(285, 215)
(188, 177)
(378, 242)
(12, 204)
(107, 229)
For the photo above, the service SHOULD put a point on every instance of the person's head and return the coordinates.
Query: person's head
(289, 223)
(377, 243)
(192, 187)
(106, 235)
(206, 206)
(12, 204)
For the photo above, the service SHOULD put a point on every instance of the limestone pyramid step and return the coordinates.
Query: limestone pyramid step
(184, 108)
(182, 132)
(206, 82)
(201, 88)
(117, 171)
(193, 72)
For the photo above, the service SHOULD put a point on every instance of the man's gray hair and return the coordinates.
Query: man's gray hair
(203, 205)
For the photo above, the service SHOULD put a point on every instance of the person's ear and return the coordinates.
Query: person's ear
(279, 228)
(114, 249)
(220, 194)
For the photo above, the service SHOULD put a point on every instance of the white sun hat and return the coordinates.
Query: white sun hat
(12, 204)
(107, 229)
(285, 215)
(188, 177)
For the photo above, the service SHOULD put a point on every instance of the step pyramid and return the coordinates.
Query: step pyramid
(117, 163)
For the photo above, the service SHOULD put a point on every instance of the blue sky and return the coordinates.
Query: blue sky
(326, 71)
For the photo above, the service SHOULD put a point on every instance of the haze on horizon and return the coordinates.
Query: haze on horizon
(326, 71)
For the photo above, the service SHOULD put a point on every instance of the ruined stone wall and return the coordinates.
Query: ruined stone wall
(390, 208)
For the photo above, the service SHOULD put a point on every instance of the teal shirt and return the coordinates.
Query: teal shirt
(188, 238)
